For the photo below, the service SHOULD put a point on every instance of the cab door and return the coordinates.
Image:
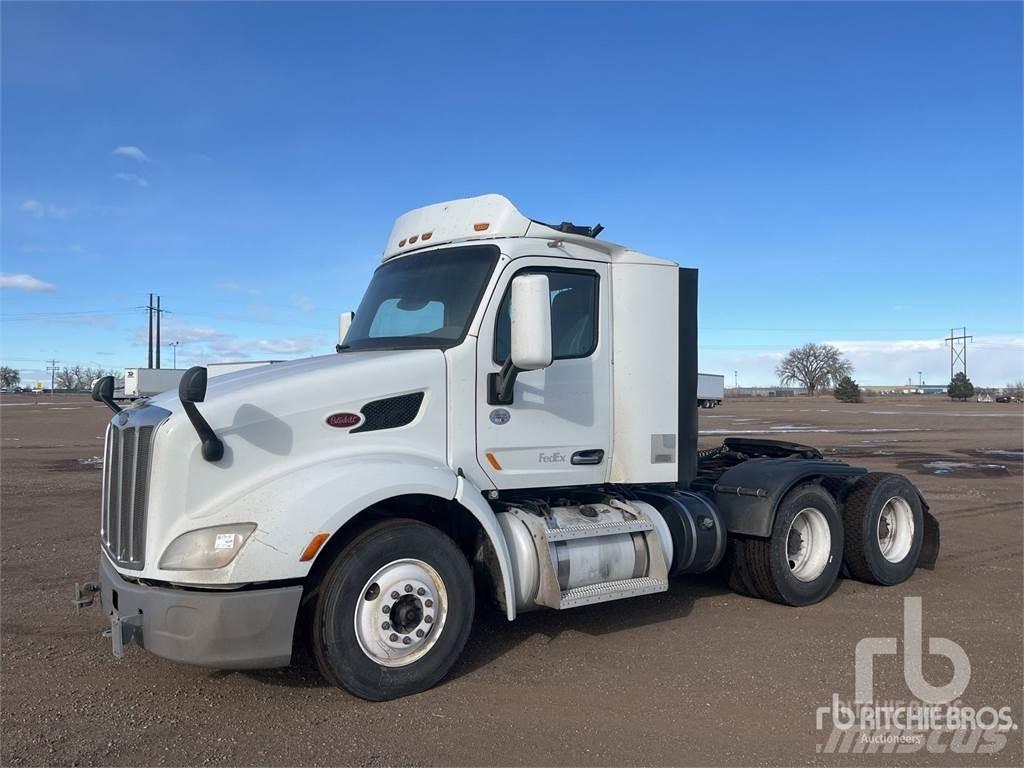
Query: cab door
(557, 429)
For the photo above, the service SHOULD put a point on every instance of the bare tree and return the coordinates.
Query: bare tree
(9, 377)
(1015, 389)
(66, 379)
(813, 366)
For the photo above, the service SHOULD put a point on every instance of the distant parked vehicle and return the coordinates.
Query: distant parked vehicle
(1006, 399)
(710, 389)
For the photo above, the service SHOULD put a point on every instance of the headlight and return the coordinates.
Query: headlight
(206, 547)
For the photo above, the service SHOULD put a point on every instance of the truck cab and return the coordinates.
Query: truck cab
(510, 415)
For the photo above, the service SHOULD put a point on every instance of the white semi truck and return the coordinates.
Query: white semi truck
(510, 415)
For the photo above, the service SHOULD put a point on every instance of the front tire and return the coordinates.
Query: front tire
(394, 611)
(884, 524)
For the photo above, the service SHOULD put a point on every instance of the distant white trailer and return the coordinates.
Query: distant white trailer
(146, 382)
(220, 369)
(710, 389)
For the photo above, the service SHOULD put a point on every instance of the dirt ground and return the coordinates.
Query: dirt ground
(695, 676)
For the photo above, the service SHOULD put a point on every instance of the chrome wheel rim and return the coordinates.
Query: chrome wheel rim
(895, 529)
(401, 612)
(808, 544)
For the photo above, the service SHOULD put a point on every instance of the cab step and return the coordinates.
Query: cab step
(590, 530)
(611, 590)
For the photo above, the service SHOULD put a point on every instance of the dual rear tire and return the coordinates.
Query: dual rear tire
(877, 534)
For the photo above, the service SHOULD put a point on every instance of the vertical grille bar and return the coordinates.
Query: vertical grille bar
(126, 466)
(124, 504)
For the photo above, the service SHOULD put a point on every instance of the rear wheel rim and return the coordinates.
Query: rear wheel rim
(808, 544)
(401, 612)
(895, 529)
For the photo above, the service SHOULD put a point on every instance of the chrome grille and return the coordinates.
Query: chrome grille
(126, 470)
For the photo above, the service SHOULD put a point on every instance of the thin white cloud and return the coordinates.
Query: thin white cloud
(132, 178)
(25, 283)
(43, 210)
(233, 287)
(131, 152)
(303, 302)
(201, 344)
(993, 360)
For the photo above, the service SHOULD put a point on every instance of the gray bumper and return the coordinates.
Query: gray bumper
(227, 630)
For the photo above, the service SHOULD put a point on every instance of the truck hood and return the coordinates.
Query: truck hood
(273, 420)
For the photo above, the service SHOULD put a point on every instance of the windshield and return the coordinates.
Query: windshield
(422, 300)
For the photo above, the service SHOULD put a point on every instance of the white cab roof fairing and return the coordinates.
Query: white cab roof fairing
(457, 221)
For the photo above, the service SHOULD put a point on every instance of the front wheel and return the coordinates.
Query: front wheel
(394, 611)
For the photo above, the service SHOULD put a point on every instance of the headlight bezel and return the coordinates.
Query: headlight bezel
(206, 549)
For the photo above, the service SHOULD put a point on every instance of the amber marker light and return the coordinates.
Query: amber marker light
(493, 459)
(313, 547)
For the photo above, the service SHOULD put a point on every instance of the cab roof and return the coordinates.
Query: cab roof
(491, 217)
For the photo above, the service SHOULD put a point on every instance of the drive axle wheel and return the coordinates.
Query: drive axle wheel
(884, 526)
(799, 562)
(394, 611)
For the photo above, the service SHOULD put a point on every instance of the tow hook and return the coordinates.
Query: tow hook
(85, 595)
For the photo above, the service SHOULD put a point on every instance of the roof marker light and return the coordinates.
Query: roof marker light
(401, 243)
(426, 235)
(413, 239)
(481, 226)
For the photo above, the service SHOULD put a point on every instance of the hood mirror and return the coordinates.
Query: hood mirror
(192, 390)
(103, 392)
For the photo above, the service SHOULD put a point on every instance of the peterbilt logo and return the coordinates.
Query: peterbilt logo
(344, 420)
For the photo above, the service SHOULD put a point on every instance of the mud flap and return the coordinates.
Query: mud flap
(930, 545)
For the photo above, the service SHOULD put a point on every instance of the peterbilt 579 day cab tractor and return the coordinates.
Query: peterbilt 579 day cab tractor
(511, 414)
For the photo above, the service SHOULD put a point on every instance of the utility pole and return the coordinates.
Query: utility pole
(958, 349)
(735, 379)
(149, 308)
(52, 368)
(157, 331)
(920, 378)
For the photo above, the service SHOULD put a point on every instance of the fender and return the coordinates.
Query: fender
(322, 497)
(748, 494)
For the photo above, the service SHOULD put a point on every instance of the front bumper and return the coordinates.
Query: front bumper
(223, 629)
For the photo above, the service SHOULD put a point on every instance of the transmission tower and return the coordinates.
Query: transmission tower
(958, 350)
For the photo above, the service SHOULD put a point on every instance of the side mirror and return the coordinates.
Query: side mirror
(192, 386)
(344, 323)
(531, 322)
(103, 392)
(192, 390)
(531, 336)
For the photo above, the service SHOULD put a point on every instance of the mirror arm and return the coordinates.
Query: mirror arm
(192, 390)
(501, 385)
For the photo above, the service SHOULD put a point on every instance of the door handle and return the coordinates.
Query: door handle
(592, 456)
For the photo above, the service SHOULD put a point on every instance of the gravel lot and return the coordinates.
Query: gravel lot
(696, 676)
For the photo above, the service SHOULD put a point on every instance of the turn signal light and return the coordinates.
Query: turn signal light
(313, 547)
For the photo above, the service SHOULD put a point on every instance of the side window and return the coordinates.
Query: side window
(573, 315)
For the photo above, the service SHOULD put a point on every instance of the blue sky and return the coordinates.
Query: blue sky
(839, 172)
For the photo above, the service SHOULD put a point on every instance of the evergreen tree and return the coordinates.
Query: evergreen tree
(960, 388)
(848, 391)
